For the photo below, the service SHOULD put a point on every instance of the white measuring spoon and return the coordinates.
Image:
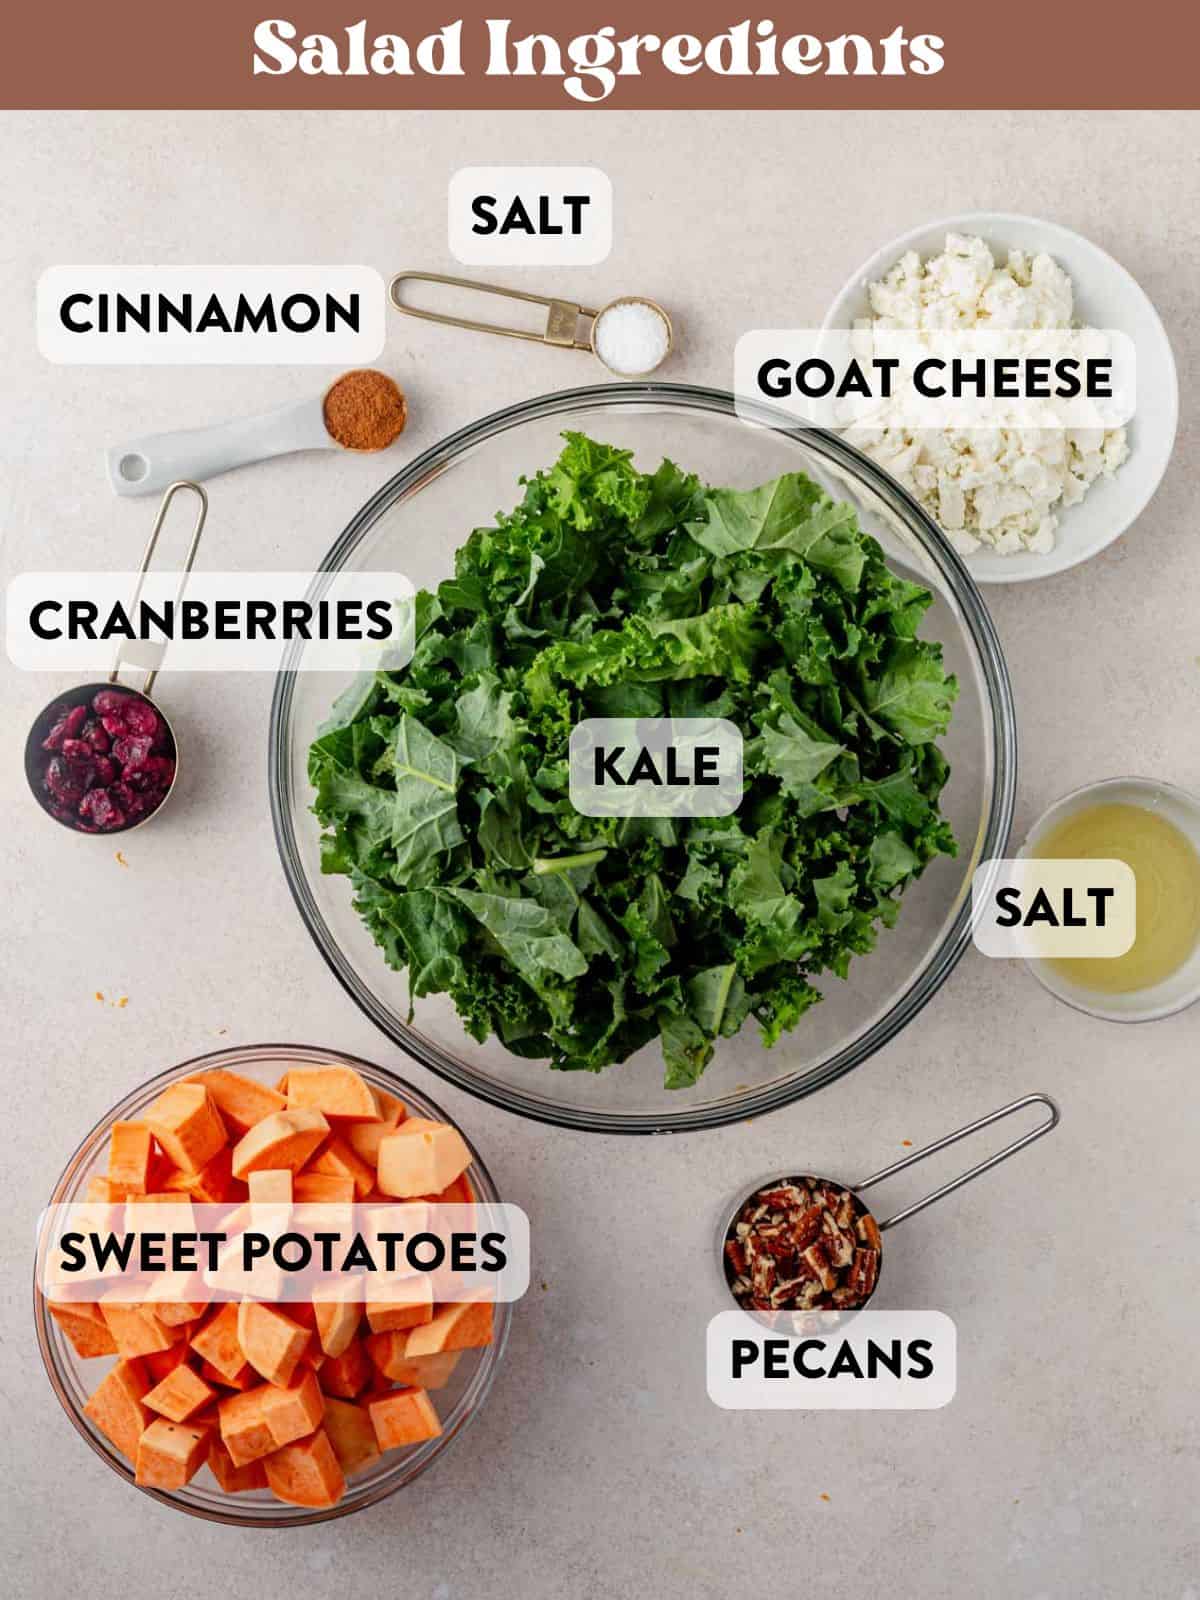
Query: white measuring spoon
(148, 465)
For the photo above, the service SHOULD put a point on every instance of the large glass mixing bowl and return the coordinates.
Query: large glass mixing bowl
(414, 524)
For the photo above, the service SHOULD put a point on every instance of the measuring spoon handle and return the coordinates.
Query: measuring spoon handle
(1043, 1127)
(147, 466)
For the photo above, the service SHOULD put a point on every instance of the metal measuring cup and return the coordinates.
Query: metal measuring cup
(562, 316)
(36, 760)
(856, 1191)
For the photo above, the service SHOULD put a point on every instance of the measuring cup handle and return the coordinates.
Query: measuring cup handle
(183, 486)
(1043, 1127)
(144, 466)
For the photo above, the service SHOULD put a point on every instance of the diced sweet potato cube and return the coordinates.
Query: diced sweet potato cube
(295, 1409)
(421, 1157)
(306, 1473)
(213, 1185)
(464, 1326)
(271, 1342)
(170, 1454)
(271, 1186)
(130, 1153)
(284, 1139)
(116, 1406)
(348, 1374)
(85, 1327)
(386, 1350)
(316, 1188)
(419, 1372)
(405, 1304)
(241, 1101)
(270, 1195)
(137, 1331)
(233, 1479)
(180, 1395)
(335, 1090)
(217, 1341)
(164, 1298)
(351, 1435)
(403, 1417)
(337, 1320)
(159, 1363)
(245, 1432)
(187, 1124)
(363, 1137)
(244, 1378)
(335, 1159)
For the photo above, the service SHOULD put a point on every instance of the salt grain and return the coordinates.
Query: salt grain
(631, 337)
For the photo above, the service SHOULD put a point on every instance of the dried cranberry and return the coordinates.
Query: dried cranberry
(127, 798)
(155, 772)
(97, 806)
(142, 718)
(54, 738)
(132, 749)
(106, 771)
(77, 750)
(66, 781)
(109, 701)
(114, 724)
(93, 731)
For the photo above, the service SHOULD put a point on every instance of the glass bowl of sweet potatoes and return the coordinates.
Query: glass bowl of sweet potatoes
(165, 1395)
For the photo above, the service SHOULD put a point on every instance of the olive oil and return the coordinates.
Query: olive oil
(1166, 867)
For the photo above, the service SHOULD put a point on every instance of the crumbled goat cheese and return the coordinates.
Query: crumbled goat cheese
(996, 488)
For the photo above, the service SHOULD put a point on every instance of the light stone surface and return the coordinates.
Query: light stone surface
(1067, 1465)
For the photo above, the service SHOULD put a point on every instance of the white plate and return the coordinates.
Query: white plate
(1105, 297)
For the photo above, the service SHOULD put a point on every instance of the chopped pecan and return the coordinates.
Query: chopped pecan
(863, 1274)
(817, 1257)
(868, 1231)
(839, 1247)
(807, 1227)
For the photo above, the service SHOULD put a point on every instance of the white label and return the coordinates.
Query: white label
(1036, 910)
(530, 216)
(841, 1361)
(939, 378)
(210, 622)
(655, 767)
(305, 1249)
(194, 316)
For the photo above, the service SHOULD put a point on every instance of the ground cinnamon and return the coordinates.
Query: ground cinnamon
(365, 410)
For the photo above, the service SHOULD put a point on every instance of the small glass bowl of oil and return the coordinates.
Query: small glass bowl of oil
(1154, 828)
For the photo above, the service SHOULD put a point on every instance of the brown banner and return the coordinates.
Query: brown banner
(916, 54)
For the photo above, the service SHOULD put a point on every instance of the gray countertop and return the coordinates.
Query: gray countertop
(1067, 1464)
